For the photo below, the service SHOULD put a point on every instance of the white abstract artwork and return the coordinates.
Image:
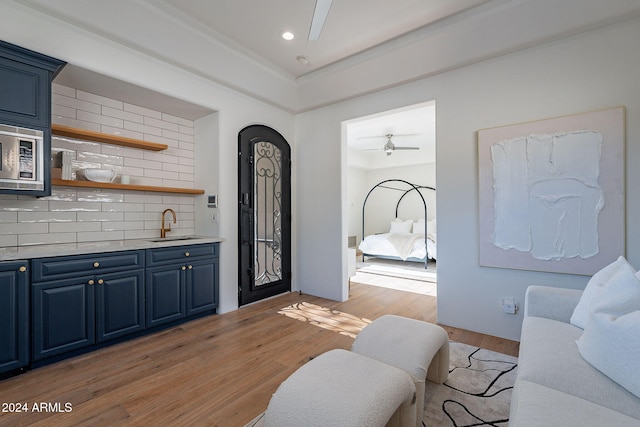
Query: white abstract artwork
(549, 192)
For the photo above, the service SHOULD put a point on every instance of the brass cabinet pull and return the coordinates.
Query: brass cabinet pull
(190, 267)
(91, 282)
(186, 254)
(100, 281)
(184, 268)
(22, 269)
(96, 264)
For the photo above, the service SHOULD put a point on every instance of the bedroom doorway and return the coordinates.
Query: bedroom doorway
(395, 145)
(264, 214)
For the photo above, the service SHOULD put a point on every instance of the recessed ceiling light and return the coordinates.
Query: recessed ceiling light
(287, 35)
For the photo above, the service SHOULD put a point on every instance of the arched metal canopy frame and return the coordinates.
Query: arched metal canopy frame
(412, 187)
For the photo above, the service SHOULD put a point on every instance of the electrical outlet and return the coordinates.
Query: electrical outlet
(509, 305)
(215, 217)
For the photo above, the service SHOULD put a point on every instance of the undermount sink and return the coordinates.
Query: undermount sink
(172, 239)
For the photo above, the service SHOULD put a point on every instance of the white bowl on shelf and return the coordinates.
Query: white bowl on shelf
(98, 175)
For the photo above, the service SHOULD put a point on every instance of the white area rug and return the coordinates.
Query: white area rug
(477, 393)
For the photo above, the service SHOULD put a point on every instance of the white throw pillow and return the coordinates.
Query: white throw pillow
(594, 286)
(399, 226)
(418, 227)
(611, 338)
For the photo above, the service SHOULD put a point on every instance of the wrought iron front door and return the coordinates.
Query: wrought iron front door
(264, 214)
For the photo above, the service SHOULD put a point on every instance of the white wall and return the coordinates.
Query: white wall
(588, 72)
(215, 174)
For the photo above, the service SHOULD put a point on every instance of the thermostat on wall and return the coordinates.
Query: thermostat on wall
(212, 201)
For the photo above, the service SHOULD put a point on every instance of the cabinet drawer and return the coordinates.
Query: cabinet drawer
(76, 265)
(162, 256)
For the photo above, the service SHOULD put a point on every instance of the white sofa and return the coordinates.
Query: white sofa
(555, 385)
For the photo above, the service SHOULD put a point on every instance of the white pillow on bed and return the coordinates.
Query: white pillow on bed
(398, 226)
(418, 227)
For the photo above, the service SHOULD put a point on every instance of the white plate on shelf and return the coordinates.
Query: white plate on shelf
(97, 175)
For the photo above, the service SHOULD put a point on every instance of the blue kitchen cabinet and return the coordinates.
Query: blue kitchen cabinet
(104, 301)
(25, 85)
(165, 293)
(63, 316)
(181, 281)
(202, 286)
(14, 315)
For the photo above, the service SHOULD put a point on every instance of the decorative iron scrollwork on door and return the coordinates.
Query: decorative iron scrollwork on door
(267, 160)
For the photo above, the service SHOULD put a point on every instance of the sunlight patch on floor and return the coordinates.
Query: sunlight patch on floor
(333, 320)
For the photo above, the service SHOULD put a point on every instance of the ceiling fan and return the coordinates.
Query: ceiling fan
(389, 147)
(320, 13)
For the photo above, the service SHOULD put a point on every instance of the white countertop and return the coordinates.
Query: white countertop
(8, 253)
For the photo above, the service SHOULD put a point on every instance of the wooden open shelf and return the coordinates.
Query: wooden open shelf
(116, 186)
(88, 135)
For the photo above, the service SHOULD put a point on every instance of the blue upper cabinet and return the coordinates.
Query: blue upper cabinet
(25, 100)
(25, 86)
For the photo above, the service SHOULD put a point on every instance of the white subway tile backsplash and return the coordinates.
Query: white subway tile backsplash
(99, 236)
(117, 150)
(186, 130)
(9, 217)
(186, 146)
(64, 206)
(178, 120)
(63, 90)
(124, 115)
(143, 164)
(122, 225)
(109, 159)
(98, 195)
(142, 216)
(97, 99)
(46, 216)
(177, 135)
(8, 240)
(151, 173)
(62, 111)
(77, 104)
(100, 119)
(73, 214)
(100, 216)
(24, 228)
(145, 129)
(25, 205)
(161, 124)
(121, 132)
(74, 227)
(46, 238)
(123, 207)
(142, 111)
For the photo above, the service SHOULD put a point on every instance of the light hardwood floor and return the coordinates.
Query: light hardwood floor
(215, 371)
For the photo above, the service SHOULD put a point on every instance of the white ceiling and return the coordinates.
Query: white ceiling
(351, 26)
(413, 126)
(365, 46)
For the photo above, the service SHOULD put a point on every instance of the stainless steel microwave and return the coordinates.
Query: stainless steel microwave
(21, 158)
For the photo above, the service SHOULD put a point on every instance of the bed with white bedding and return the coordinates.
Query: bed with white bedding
(405, 246)
(405, 240)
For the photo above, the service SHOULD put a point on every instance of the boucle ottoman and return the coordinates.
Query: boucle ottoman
(419, 348)
(339, 389)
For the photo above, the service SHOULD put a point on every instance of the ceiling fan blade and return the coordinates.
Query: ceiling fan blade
(319, 16)
(406, 148)
(387, 135)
